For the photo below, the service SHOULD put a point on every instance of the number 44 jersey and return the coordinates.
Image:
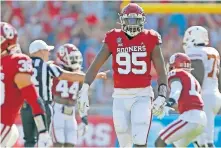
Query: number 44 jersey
(65, 89)
(11, 98)
(131, 61)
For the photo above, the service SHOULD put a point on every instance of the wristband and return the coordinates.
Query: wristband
(40, 123)
(84, 120)
(171, 102)
(162, 90)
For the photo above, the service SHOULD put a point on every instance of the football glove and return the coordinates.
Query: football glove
(44, 140)
(83, 101)
(164, 112)
(158, 104)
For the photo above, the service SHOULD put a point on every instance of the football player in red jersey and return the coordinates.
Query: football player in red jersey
(185, 97)
(133, 48)
(64, 124)
(16, 85)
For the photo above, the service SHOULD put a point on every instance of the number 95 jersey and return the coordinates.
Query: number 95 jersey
(131, 58)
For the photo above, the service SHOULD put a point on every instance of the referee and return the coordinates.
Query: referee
(42, 79)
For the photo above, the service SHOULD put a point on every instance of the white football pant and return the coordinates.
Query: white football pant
(212, 105)
(185, 129)
(63, 127)
(9, 135)
(132, 119)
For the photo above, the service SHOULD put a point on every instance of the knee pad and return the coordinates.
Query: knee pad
(121, 124)
(140, 134)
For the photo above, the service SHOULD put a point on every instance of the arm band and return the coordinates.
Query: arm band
(162, 90)
(29, 93)
(171, 102)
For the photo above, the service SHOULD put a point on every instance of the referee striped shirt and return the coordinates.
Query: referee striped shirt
(43, 77)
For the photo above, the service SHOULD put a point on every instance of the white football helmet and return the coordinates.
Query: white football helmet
(69, 56)
(194, 36)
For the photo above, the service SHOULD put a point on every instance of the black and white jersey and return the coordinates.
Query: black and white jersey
(43, 77)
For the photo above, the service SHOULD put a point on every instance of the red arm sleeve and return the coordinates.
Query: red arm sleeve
(30, 94)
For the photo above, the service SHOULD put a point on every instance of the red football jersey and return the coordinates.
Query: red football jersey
(65, 89)
(190, 97)
(131, 58)
(10, 94)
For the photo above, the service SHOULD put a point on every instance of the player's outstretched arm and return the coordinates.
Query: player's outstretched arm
(100, 59)
(83, 101)
(79, 76)
(198, 70)
(159, 64)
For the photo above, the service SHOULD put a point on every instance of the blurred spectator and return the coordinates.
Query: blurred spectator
(84, 23)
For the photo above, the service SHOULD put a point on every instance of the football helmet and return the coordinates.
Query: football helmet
(194, 36)
(69, 56)
(179, 60)
(132, 19)
(9, 37)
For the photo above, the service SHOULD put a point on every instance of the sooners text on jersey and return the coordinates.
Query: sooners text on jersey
(131, 61)
(190, 97)
(10, 94)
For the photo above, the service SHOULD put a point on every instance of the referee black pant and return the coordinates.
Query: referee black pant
(29, 127)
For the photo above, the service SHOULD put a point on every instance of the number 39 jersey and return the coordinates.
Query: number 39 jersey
(11, 98)
(65, 89)
(211, 61)
(131, 58)
(190, 97)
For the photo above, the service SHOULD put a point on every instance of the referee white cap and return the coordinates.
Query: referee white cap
(38, 45)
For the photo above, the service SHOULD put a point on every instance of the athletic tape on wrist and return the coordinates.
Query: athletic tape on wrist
(162, 90)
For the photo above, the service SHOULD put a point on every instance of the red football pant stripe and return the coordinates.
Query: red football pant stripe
(172, 125)
(176, 129)
(5, 134)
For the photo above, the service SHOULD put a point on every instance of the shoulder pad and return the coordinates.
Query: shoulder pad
(113, 31)
(20, 56)
(155, 34)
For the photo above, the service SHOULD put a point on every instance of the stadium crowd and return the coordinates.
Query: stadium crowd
(59, 22)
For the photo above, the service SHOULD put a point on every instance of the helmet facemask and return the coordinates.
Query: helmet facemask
(132, 24)
(75, 60)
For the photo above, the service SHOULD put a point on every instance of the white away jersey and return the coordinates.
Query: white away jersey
(211, 62)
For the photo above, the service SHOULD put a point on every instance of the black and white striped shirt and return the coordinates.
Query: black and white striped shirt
(43, 77)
